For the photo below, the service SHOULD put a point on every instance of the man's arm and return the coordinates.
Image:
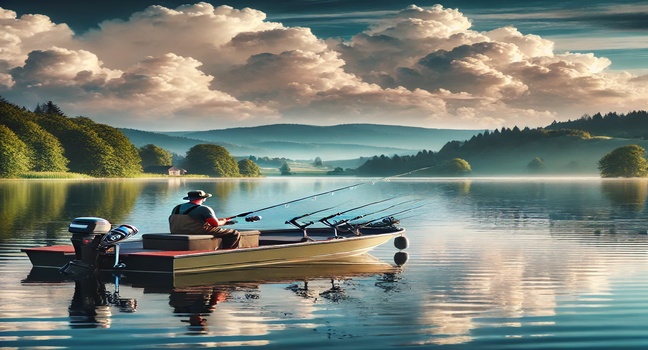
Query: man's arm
(216, 221)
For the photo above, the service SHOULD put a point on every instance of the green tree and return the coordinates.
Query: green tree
(153, 155)
(285, 169)
(123, 159)
(212, 160)
(88, 153)
(536, 165)
(48, 108)
(45, 150)
(249, 168)
(626, 161)
(317, 162)
(13, 154)
(457, 166)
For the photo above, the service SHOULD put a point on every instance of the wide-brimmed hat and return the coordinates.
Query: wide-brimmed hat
(196, 194)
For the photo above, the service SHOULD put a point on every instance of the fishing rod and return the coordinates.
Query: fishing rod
(387, 220)
(352, 209)
(303, 226)
(294, 222)
(333, 226)
(326, 221)
(249, 218)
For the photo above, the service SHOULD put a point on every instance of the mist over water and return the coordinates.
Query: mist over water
(494, 263)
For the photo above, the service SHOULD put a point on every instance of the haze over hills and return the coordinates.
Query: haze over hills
(298, 141)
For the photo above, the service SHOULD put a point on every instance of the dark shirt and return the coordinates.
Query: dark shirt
(201, 212)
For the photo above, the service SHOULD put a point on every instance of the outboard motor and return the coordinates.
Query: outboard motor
(92, 236)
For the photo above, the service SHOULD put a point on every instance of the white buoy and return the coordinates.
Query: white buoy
(401, 242)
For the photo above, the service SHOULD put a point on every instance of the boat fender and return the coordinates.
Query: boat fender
(400, 258)
(401, 242)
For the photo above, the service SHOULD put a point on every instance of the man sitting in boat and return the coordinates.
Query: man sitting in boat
(195, 218)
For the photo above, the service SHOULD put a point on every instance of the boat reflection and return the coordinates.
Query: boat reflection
(195, 304)
(92, 303)
(359, 265)
(193, 297)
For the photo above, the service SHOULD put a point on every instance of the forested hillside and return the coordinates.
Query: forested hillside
(632, 125)
(510, 152)
(47, 141)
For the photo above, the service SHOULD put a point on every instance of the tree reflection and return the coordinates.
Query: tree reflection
(48, 206)
(629, 194)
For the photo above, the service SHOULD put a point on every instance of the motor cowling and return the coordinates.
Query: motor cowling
(86, 235)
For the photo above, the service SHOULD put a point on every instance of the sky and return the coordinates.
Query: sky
(176, 65)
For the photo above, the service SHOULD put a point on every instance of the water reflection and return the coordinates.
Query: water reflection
(194, 298)
(529, 203)
(496, 264)
(195, 305)
(629, 194)
(91, 303)
(47, 206)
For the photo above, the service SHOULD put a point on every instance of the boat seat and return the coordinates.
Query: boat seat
(167, 241)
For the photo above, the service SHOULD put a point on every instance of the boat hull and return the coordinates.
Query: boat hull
(325, 246)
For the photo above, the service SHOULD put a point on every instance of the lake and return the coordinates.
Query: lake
(494, 263)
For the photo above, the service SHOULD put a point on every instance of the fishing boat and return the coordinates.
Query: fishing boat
(96, 245)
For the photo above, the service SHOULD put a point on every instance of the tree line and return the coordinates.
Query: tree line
(500, 148)
(46, 140)
(451, 159)
(631, 125)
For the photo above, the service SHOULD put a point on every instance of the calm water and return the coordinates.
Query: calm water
(493, 264)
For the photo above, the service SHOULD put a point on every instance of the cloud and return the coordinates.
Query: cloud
(199, 66)
(506, 74)
(22, 35)
(196, 31)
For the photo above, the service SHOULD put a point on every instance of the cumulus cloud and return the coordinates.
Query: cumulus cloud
(198, 66)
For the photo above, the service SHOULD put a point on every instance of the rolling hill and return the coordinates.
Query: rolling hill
(297, 141)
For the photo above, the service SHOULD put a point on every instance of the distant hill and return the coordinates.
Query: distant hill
(297, 141)
(509, 152)
(177, 144)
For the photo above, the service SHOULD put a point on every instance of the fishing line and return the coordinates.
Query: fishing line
(388, 216)
(323, 193)
(387, 208)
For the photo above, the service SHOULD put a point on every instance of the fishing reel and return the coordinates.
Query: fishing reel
(385, 222)
(252, 218)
